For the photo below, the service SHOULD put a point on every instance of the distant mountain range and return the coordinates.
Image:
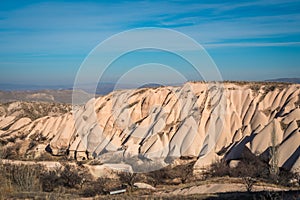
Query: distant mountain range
(59, 96)
(63, 93)
(22, 87)
(102, 88)
(286, 80)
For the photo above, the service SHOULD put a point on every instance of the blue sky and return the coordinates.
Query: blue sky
(45, 42)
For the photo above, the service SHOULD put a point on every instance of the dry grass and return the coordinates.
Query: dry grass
(65, 184)
(18, 179)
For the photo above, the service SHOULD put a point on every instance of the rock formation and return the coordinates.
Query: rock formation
(203, 121)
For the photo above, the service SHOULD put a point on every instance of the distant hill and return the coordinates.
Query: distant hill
(286, 80)
(59, 96)
(102, 88)
(151, 85)
(20, 87)
(63, 93)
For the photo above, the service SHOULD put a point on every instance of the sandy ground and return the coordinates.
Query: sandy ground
(218, 188)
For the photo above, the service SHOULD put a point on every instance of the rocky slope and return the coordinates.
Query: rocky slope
(203, 121)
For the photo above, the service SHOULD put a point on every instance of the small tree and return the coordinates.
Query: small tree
(274, 169)
(184, 172)
(128, 177)
(249, 183)
(70, 177)
(50, 180)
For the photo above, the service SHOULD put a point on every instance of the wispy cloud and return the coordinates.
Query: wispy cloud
(73, 24)
(256, 3)
(48, 30)
(251, 44)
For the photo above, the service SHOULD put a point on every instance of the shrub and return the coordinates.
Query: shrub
(297, 177)
(128, 178)
(22, 177)
(274, 169)
(286, 178)
(269, 88)
(49, 180)
(10, 152)
(157, 177)
(70, 177)
(249, 183)
(217, 169)
(251, 168)
(5, 186)
(255, 87)
(184, 172)
(96, 187)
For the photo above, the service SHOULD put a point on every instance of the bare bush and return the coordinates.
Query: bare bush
(255, 87)
(10, 152)
(156, 177)
(252, 168)
(70, 177)
(297, 177)
(23, 177)
(128, 178)
(287, 178)
(49, 180)
(96, 187)
(249, 166)
(274, 169)
(184, 172)
(270, 88)
(249, 183)
(217, 169)
(5, 186)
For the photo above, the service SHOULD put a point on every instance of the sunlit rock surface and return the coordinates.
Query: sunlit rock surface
(206, 121)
